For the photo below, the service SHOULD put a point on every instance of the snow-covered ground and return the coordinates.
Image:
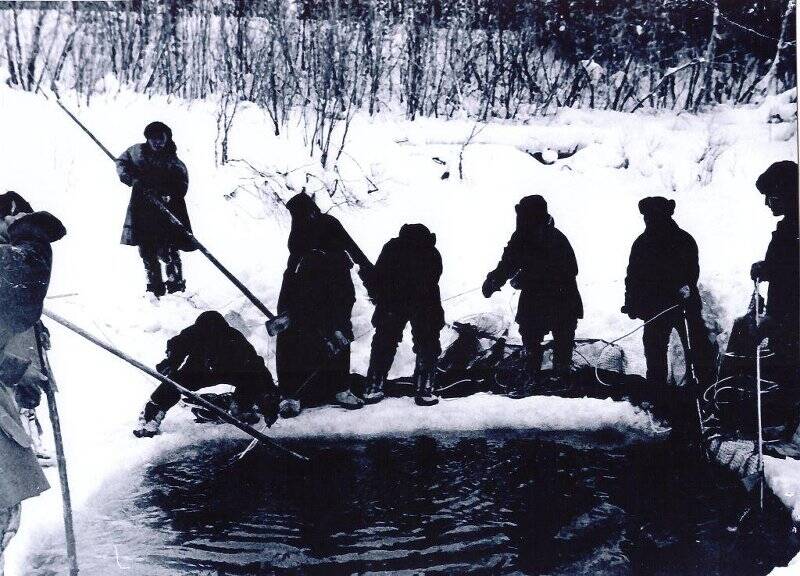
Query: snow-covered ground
(707, 163)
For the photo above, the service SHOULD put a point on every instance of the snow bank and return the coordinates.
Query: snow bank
(707, 163)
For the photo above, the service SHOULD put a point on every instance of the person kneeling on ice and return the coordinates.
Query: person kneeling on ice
(662, 272)
(540, 261)
(312, 356)
(207, 353)
(25, 265)
(154, 171)
(405, 288)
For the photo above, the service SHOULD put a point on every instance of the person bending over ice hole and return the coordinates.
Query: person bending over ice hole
(662, 272)
(540, 261)
(313, 355)
(25, 265)
(153, 169)
(406, 289)
(207, 353)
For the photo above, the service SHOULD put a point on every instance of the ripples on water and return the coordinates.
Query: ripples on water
(444, 505)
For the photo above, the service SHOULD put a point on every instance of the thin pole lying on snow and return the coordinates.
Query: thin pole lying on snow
(61, 460)
(222, 414)
(275, 323)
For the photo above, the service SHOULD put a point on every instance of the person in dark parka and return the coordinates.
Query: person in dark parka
(318, 295)
(207, 353)
(153, 168)
(540, 261)
(662, 272)
(25, 266)
(406, 289)
(781, 268)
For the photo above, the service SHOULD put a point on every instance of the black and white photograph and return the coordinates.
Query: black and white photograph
(399, 287)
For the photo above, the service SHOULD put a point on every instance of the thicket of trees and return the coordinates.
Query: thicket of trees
(486, 58)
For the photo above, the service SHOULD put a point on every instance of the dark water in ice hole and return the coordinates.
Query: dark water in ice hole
(481, 504)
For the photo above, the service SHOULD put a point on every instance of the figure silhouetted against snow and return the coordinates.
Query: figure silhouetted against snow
(153, 169)
(317, 294)
(662, 272)
(405, 288)
(541, 263)
(207, 353)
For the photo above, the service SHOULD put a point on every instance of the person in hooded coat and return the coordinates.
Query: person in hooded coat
(541, 263)
(406, 289)
(663, 270)
(207, 353)
(153, 168)
(26, 259)
(313, 354)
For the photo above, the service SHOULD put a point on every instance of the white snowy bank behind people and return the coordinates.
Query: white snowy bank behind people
(25, 266)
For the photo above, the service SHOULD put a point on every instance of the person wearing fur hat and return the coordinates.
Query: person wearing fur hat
(540, 261)
(663, 270)
(25, 265)
(406, 289)
(153, 170)
(313, 355)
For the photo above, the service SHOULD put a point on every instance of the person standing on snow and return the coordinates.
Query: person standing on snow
(406, 289)
(152, 169)
(781, 268)
(28, 392)
(25, 265)
(207, 353)
(313, 354)
(540, 261)
(662, 272)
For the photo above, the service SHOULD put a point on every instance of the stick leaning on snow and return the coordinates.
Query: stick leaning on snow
(197, 398)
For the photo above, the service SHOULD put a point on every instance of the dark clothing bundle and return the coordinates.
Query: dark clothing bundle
(318, 295)
(210, 352)
(163, 175)
(405, 288)
(663, 260)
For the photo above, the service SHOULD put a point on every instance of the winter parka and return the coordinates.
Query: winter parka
(663, 259)
(545, 271)
(163, 175)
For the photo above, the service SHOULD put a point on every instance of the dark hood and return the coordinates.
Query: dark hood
(41, 226)
(301, 205)
(417, 235)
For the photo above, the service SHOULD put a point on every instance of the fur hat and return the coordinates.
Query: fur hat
(417, 234)
(155, 128)
(656, 205)
(779, 179)
(37, 225)
(12, 204)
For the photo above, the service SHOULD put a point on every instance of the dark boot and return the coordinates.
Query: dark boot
(152, 268)
(425, 382)
(174, 270)
(533, 361)
(158, 290)
(373, 391)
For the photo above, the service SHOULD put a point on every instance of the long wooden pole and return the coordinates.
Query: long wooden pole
(197, 398)
(61, 460)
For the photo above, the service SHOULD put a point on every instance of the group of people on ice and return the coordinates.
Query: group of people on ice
(317, 296)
